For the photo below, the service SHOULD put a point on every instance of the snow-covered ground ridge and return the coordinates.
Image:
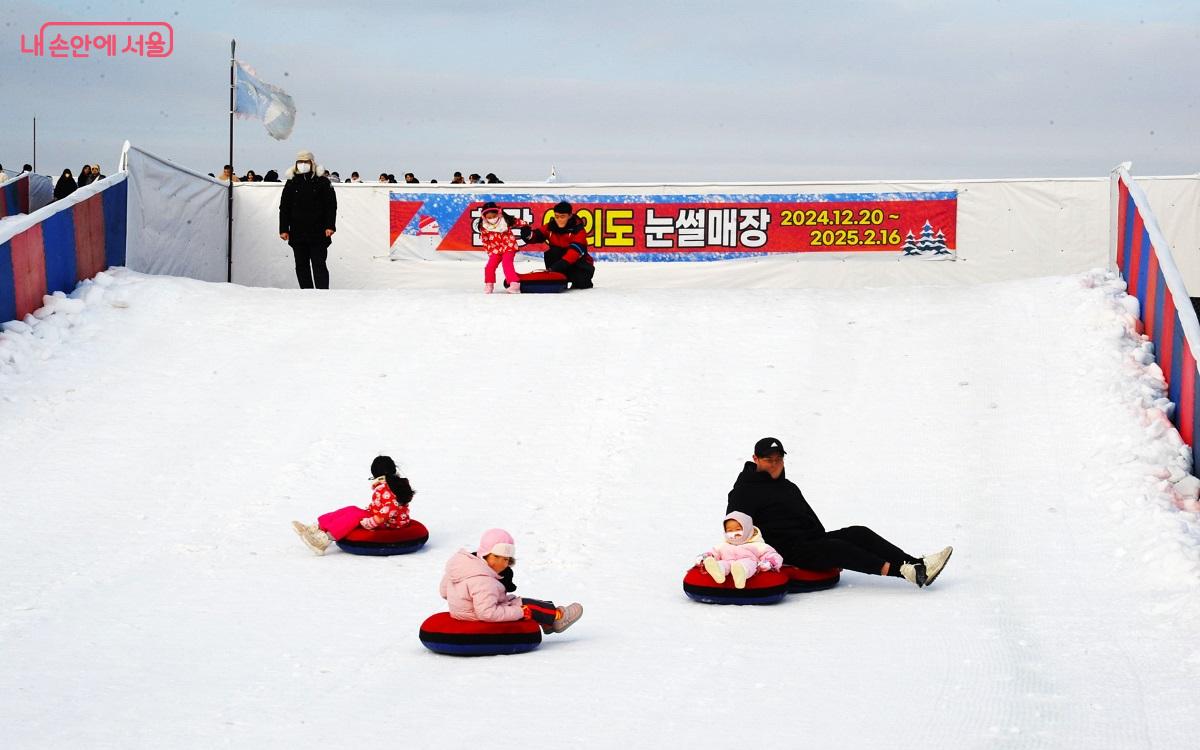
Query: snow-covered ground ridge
(160, 434)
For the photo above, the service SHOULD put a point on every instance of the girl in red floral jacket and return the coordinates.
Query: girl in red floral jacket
(388, 509)
(495, 229)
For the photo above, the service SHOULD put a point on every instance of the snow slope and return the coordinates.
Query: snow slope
(158, 435)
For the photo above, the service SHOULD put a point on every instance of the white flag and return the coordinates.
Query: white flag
(256, 100)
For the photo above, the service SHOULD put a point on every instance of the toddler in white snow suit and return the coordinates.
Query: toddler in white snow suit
(388, 509)
(742, 554)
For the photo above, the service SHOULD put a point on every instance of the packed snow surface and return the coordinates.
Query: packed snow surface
(158, 435)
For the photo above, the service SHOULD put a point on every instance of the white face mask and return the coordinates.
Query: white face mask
(732, 535)
(303, 167)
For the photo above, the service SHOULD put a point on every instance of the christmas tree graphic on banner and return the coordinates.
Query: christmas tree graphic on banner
(930, 245)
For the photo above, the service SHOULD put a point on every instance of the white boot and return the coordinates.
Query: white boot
(914, 574)
(488, 287)
(570, 615)
(738, 572)
(713, 566)
(935, 562)
(514, 287)
(313, 536)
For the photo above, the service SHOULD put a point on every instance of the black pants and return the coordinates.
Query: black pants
(852, 548)
(541, 612)
(313, 256)
(580, 275)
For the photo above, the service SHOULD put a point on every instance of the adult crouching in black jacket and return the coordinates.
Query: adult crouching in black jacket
(566, 246)
(307, 220)
(791, 526)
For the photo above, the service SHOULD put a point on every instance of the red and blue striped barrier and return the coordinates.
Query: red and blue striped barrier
(68, 241)
(1143, 257)
(14, 197)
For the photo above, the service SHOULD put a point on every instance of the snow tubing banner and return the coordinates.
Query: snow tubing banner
(73, 241)
(1143, 256)
(14, 197)
(703, 226)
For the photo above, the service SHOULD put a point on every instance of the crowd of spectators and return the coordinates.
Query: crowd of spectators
(68, 183)
(5, 177)
(384, 178)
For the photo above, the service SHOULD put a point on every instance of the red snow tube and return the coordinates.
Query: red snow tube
(399, 541)
(766, 587)
(443, 634)
(541, 282)
(801, 580)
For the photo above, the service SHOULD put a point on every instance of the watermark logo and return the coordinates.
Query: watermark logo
(76, 39)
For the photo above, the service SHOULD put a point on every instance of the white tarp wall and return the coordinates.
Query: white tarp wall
(41, 191)
(1006, 229)
(178, 220)
(1175, 202)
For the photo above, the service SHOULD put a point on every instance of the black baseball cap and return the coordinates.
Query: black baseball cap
(769, 446)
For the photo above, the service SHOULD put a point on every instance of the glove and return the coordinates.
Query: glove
(764, 565)
(701, 558)
(368, 523)
(526, 233)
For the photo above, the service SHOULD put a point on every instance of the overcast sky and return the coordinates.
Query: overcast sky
(631, 91)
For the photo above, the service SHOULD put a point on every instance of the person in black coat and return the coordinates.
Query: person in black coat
(790, 525)
(307, 220)
(65, 185)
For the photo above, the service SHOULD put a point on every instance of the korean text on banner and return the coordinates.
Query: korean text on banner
(706, 226)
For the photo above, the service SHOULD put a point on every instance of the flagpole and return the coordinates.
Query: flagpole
(229, 237)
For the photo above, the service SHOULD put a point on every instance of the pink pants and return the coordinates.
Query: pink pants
(341, 522)
(510, 271)
(749, 566)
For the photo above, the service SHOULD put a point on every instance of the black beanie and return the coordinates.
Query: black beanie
(562, 207)
(383, 466)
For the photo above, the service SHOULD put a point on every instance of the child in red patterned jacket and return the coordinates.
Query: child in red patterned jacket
(388, 509)
(495, 229)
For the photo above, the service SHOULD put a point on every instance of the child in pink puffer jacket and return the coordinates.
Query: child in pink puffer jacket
(742, 554)
(473, 588)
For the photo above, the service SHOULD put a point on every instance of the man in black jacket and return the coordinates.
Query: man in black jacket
(789, 524)
(307, 220)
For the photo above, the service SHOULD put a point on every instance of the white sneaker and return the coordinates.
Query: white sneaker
(714, 569)
(935, 562)
(514, 287)
(488, 287)
(313, 536)
(914, 574)
(570, 615)
(737, 571)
